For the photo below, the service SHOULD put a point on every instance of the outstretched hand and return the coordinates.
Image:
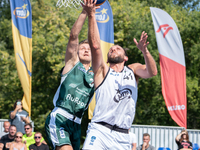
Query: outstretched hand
(142, 44)
(89, 6)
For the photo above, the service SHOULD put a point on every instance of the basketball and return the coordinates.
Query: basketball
(100, 2)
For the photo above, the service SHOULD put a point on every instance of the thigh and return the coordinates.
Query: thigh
(94, 141)
(47, 131)
(57, 134)
(64, 147)
(76, 137)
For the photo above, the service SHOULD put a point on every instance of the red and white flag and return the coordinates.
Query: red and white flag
(172, 62)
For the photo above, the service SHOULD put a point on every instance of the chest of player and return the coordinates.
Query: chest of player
(121, 85)
(77, 88)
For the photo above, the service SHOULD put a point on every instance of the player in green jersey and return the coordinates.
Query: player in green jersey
(63, 125)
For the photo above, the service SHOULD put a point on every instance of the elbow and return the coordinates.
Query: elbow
(155, 72)
(95, 45)
(73, 35)
(12, 116)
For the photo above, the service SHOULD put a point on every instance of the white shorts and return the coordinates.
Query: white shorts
(100, 137)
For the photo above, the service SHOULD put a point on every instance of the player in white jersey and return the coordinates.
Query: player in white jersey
(116, 89)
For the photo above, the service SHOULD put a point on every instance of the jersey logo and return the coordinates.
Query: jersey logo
(93, 138)
(122, 94)
(92, 82)
(62, 133)
(82, 69)
(74, 99)
(91, 72)
(73, 85)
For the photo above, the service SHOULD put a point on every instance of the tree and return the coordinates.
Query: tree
(192, 4)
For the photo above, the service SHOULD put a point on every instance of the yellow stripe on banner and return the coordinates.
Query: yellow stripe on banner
(23, 58)
(105, 48)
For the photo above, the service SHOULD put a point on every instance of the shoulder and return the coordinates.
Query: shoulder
(152, 147)
(4, 137)
(44, 145)
(31, 146)
(69, 67)
(134, 66)
(139, 147)
(190, 142)
(24, 136)
(25, 112)
(177, 142)
(33, 134)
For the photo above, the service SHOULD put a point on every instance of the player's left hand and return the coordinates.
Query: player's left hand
(90, 7)
(142, 44)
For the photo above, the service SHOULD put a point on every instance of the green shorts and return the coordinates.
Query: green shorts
(62, 131)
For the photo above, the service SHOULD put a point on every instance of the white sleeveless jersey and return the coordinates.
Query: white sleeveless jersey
(116, 99)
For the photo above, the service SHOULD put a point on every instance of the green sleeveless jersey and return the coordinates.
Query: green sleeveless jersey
(75, 91)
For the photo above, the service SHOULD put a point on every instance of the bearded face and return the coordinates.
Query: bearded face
(116, 54)
(115, 59)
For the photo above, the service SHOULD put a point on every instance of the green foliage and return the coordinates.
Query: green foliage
(51, 29)
(192, 4)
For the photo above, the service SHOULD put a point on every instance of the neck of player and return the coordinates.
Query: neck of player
(86, 65)
(117, 67)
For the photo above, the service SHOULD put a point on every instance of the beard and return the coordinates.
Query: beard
(12, 135)
(115, 60)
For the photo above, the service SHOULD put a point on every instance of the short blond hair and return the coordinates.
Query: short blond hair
(84, 42)
(18, 133)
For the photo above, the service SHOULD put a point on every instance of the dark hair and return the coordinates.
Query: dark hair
(146, 134)
(187, 136)
(84, 42)
(125, 51)
(12, 126)
(28, 124)
(19, 100)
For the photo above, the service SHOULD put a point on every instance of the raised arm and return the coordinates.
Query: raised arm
(99, 66)
(178, 137)
(13, 113)
(149, 69)
(71, 56)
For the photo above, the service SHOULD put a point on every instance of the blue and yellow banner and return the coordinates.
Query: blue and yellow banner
(22, 38)
(104, 19)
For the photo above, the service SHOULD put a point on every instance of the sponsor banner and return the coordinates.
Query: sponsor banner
(172, 62)
(104, 19)
(22, 38)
